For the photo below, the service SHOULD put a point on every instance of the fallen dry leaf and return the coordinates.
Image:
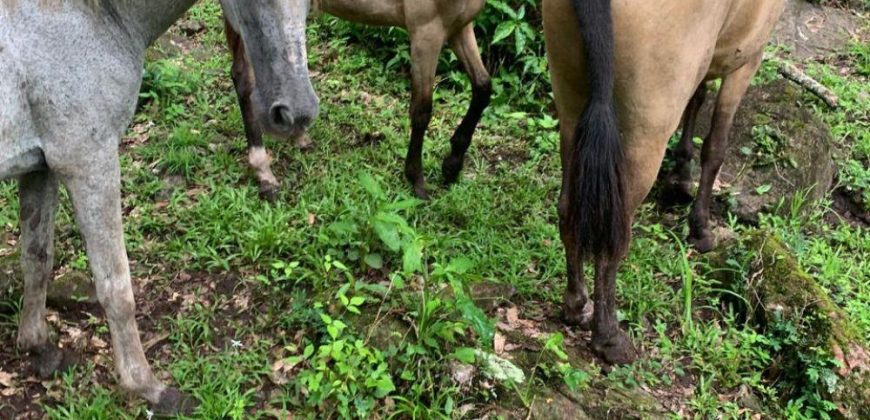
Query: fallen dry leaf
(498, 344)
(98, 342)
(7, 379)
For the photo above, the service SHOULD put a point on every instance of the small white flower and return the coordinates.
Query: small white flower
(149, 414)
(236, 344)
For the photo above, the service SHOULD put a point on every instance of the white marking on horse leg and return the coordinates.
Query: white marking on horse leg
(96, 198)
(38, 206)
(261, 162)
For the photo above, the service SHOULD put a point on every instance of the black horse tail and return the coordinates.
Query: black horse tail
(597, 193)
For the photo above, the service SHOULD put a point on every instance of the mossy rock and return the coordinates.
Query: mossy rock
(601, 399)
(780, 293)
(777, 149)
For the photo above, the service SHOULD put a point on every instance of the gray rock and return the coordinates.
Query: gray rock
(777, 149)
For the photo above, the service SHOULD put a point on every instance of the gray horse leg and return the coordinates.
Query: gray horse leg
(96, 196)
(38, 191)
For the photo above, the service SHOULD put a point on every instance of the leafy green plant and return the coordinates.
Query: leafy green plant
(377, 230)
(342, 375)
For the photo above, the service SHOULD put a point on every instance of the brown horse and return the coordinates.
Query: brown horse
(430, 23)
(620, 95)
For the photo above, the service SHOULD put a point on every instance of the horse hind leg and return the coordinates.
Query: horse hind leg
(680, 180)
(96, 198)
(733, 89)
(577, 308)
(243, 80)
(464, 44)
(426, 44)
(38, 197)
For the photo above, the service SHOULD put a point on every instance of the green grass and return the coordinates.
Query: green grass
(362, 291)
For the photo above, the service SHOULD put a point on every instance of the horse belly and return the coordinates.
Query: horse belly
(369, 12)
(20, 148)
(82, 84)
(745, 32)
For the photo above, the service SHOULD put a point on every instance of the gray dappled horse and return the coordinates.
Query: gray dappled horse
(620, 95)
(430, 24)
(70, 72)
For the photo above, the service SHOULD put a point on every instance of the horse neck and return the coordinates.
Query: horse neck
(148, 19)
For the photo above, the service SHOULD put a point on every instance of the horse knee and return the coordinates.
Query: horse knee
(481, 92)
(421, 113)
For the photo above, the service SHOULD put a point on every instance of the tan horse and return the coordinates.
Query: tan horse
(430, 24)
(620, 95)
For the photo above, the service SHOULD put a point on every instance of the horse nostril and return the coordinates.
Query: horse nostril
(281, 116)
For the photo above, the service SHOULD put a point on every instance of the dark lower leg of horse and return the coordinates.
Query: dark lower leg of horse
(461, 140)
(465, 47)
(258, 157)
(577, 308)
(680, 179)
(38, 207)
(608, 340)
(713, 153)
(421, 115)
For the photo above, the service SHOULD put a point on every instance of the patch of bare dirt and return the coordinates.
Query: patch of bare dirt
(811, 31)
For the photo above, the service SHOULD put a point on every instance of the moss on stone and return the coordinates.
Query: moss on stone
(780, 293)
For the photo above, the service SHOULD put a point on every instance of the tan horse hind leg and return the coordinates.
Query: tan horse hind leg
(426, 45)
(464, 44)
(733, 89)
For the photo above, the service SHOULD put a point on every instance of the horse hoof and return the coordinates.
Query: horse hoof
(269, 192)
(704, 243)
(51, 360)
(421, 193)
(576, 316)
(677, 193)
(173, 402)
(451, 168)
(616, 349)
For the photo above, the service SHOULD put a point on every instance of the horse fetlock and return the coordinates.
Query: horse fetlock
(452, 167)
(140, 380)
(33, 334)
(48, 360)
(614, 346)
(578, 311)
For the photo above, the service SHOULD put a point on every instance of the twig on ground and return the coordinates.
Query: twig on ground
(796, 75)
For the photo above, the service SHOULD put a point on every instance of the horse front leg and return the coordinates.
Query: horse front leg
(464, 44)
(733, 89)
(38, 197)
(426, 44)
(259, 158)
(95, 190)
